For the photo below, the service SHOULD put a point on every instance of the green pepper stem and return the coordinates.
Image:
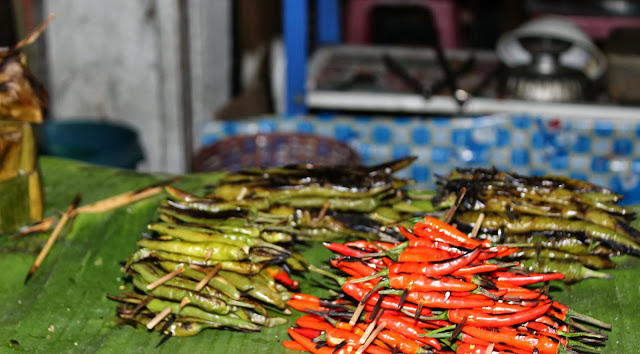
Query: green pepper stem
(338, 279)
(587, 319)
(381, 273)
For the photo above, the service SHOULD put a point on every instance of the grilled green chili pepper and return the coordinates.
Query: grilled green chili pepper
(589, 260)
(573, 271)
(196, 234)
(560, 241)
(265, 320)
(528, 223)
(182, 326)
(203, 301)
(216, 282)
(216, 251)
(157, 305)
(254, 288)
(238, 267)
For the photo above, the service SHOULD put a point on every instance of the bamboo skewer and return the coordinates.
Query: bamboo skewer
(372, 337)
(52, 238)
(164, 279)
(208, 277)
(477, 226)
(356, 314)
(42, 226)
(125, 198)
(103, 205)
(154, 322)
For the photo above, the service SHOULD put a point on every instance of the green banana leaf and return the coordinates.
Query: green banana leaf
(63, 308)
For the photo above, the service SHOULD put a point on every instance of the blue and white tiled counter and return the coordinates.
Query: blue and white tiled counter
(606, 152)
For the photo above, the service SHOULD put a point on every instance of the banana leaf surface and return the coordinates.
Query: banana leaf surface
(64, 308)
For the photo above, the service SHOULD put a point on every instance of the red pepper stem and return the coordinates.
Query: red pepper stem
(338, 279)
(587, 319)
(381, 273)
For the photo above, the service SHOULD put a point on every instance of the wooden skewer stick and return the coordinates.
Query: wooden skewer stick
(164, 278)
(159, 317)
(53, 237)
(208, 254)
(208, 277)
(477, 226)
(242, 194)
(455, 206)
(185, 301)
(125, 198)
(42, 226)
(372, 337)
(370, 328)
(142, 304)
(356, 314)
(490, 348)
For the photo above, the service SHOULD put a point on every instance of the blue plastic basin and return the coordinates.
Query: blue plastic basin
(97, 142)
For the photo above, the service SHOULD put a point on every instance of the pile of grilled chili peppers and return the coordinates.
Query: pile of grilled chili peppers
(222, 260)
(572, 226)
(439, 292)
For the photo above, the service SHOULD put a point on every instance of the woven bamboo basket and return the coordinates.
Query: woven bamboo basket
(272, 150)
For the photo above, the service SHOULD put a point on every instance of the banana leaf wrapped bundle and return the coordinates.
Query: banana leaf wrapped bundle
(563, 223)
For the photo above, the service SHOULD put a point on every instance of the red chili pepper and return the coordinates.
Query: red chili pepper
(359, 329)
(302, 305)
(499, 308)
(552, 323)
(424, 254)
(448, 232)
(523, 294)
(476, 348)
(305, 297)
(358, 266)
(307, 332)
(310, 346)
(313, 321)
(406, 345)
(479, 318)
(419, 282)
(391, 302)
(336, 336)
(542, 328)
(375, 246)
(406, 233)
(434, 324)
(434, 269)
(522, 279)
(526, 341)
(350, 252)
(507, 252)
(409, 330)
(293, 345)
(476, 269)
(465, 338)
(440, 300)
(345, 267)
(282, 277)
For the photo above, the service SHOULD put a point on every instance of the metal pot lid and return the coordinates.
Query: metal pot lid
(582, 55)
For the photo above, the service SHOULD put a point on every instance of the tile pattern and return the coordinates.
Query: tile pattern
(603, 151)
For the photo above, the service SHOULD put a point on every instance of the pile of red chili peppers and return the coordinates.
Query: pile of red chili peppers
(439, 292)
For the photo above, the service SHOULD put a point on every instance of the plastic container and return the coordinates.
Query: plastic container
(97, 142)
